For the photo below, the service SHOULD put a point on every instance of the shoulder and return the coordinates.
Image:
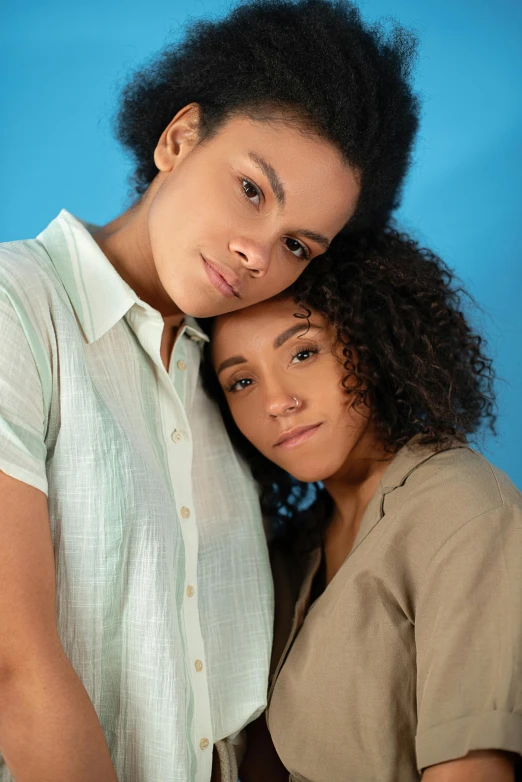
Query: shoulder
(458, 480)
(32, 299)
(25, 264)
(30, 289)
(446, 491)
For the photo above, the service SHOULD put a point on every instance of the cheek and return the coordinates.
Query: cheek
(252, 424)
(179, 198)
(283, 272)
(163, 222)
(248, 421)
(324, 387)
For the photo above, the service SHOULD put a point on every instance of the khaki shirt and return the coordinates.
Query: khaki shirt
(413, 654)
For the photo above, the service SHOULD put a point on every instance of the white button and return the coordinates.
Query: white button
(203, 744)
(190, 591)
(181, 365)
(176, 436)
(198, 666)
(185, 512)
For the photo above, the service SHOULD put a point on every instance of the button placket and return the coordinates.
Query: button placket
(179, 456)
(179, 369)
(195, 646)
(176, 389)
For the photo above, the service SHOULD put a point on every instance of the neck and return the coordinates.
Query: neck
(352, 488)
(126, 243)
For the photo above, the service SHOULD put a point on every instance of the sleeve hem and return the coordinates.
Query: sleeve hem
(25, 476)
(495, 730)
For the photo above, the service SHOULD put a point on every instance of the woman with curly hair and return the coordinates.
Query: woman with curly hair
(396, 547)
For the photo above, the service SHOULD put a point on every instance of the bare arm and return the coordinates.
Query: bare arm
(49, 729)
(487, 766)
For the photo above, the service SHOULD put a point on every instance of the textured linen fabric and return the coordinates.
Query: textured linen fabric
(412, 655)
(164, 593)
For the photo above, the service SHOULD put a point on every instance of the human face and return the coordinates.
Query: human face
(283, 382)
(235, 220)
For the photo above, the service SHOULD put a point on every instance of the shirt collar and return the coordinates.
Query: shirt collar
(406, 460)
(191, 328)
(99, 296)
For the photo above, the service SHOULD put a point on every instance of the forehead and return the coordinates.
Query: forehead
(254, 328)
(285, 140)
(310, 167)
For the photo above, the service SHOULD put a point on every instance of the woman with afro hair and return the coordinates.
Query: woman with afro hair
(137, 600)
(396, 548)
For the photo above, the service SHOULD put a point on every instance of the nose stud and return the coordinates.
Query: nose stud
(283, 408)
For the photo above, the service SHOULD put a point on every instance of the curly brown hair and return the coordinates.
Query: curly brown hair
(410, 356)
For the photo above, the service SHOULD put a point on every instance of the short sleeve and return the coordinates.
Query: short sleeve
(469, 641)
(22, 408)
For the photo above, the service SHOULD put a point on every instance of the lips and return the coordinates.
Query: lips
(222, 278)
(294, 437)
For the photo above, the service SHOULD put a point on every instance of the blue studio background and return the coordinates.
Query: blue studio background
(62, 63)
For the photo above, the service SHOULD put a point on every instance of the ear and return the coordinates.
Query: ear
(179, 137)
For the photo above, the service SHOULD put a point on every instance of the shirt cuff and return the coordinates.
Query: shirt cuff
(496, 730)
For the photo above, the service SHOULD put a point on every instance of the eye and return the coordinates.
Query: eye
(251, 192)
(296, 248)
(238, 385)
(303, 355)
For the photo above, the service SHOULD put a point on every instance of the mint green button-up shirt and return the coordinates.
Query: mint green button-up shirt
(164, 596)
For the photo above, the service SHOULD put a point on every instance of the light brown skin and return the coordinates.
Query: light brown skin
(197, 203)
(344, 451)
(263, 369)
(49, 730)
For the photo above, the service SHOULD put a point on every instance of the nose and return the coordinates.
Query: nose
(281, 403)
(254, 255)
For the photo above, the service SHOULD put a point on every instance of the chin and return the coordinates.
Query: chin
(195, 306)
(200, 305)
(311, 473)
(199, 311)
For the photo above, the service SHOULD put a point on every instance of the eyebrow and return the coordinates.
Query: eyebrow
(272, 176)
(230, 362)
(314, 237)
(278, 341)
(286, 335)
(279, 192)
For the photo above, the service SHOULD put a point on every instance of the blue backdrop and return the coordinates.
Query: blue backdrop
(63, 61)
